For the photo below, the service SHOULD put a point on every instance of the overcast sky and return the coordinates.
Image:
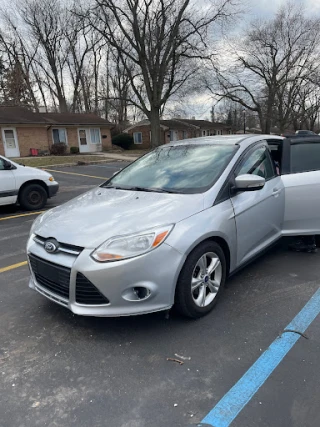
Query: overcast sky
(200, 106)
(268, 7)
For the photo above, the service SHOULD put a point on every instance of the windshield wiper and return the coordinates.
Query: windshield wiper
(116, 187)
(163, 190)
(138, 188)
(151, 189)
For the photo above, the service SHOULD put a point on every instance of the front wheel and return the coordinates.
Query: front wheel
(201, 280)
(33, 197)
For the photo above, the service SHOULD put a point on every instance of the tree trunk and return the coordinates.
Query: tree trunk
(267, 127)
(154, 117)
(63, 108)
(261, 121)
(282, 127)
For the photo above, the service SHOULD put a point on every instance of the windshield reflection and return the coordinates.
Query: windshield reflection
(182, 168)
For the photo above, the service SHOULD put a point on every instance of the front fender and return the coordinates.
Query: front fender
(216, 221)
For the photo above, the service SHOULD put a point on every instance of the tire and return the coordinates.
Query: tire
(207, 287)
(33, 197)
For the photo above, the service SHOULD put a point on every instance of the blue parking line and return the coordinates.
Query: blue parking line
(240, 394)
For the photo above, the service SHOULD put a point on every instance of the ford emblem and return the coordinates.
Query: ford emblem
(51, 246)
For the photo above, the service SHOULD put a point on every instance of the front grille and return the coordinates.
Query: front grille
(63, 247)
(87, 293)
(50, 276)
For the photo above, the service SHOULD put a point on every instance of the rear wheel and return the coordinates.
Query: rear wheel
(201, 280)
(33, 197)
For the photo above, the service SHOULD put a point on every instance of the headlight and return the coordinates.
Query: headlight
(123, 247)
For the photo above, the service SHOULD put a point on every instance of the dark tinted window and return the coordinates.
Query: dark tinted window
(305, 157)
(190, 168)
(1, 165)
(305, 132)
(259, 163)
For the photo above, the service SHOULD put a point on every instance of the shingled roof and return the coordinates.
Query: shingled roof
(175, 124)
(74, 119)
(203, 124)
(13, 115)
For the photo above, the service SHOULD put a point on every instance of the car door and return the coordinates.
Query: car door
(301, 178)
(7, 185)
(258, 214)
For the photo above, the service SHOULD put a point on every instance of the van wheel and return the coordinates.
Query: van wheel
(201, 280)
(33, 197)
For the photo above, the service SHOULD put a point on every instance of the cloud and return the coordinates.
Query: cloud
(266, 8)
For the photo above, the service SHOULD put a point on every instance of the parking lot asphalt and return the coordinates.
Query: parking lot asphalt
(59, 369)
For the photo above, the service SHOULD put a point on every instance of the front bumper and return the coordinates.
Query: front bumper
(157, 272)
(53, 189)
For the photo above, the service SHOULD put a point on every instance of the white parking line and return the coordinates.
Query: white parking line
(21, 252)
(13, 236)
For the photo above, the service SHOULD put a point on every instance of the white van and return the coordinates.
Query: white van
(30, 187)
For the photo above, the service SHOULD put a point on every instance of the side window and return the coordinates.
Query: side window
(305, 157)
(259, 163)
(1, 165)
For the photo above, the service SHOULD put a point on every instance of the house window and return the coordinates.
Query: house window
(184, 134)
(137, 137)
(95, 136)
(59, 135)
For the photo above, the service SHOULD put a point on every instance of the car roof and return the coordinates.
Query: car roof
(209, 140)
(243, 139)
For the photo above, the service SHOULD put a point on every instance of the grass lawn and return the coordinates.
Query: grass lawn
(135, 153)
(58, 160)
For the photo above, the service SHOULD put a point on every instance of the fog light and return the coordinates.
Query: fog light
(138, 293)
(141, 292)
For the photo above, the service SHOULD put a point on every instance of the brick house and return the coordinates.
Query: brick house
(21, 130)
(175, 130)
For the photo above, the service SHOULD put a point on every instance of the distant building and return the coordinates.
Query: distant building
(23, 130)
(175, 130)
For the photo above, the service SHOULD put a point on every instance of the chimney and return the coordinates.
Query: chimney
(42, 109)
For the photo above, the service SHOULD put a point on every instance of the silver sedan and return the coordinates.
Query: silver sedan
(172, 226)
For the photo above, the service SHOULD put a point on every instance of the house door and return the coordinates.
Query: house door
(10, 141)
(83, 141)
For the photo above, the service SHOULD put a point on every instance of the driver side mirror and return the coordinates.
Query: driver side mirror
(7, 165)
(249, 182)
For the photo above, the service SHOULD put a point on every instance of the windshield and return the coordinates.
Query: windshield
(182, 168)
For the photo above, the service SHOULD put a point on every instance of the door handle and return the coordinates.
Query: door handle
(276, 191)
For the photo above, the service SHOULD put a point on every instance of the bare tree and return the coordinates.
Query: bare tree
(160, 44)
(46, 22)
(17, 61)
(274, 60)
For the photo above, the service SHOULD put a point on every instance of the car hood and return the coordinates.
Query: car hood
(32, 172)
(94, 217)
